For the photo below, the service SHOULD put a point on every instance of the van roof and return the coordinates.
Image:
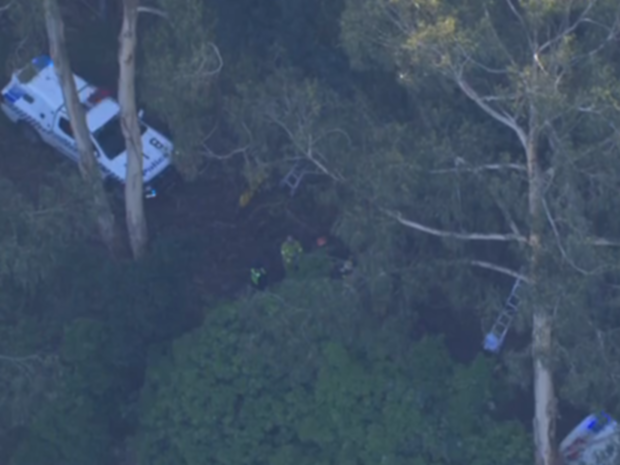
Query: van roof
(39, 79)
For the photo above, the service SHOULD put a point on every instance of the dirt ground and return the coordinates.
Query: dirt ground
(233, 239)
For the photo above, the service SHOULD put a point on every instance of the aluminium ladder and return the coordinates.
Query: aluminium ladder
(296, 174)
(495, 338)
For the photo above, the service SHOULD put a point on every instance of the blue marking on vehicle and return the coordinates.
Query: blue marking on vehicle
(15, 93)
(42, 62)
(9, 97)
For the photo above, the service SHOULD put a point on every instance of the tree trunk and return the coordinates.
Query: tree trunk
(134, 190)
(89, 167)
(545, 403)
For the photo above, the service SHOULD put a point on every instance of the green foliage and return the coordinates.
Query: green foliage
(302, 373)
(24, 30)
(285, 118)
(178, 65)
(547, 68)
(35, 233)
(255, 384)
(107, 315)
(70, 430)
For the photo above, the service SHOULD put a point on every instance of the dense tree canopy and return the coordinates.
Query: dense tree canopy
(278, 378)
(449, 148)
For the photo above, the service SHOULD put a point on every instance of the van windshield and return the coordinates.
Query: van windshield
(110, 137)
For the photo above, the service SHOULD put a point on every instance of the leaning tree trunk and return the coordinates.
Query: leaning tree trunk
(544, 397)
(89, 167)
(134, 191)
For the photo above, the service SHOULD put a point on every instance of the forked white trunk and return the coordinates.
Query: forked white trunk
(134, 191)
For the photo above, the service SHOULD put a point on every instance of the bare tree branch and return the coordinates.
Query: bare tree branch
(309, 151)
(200, 71)
(507, 216)
(22, 359)
(502, 117)
(526, 29)
(500, 269)
(207, 152)
(566, 31)
(7, 6)
(459, 162)
(455, 235)
(220, 61)
(602, 242)
(154, 11)
(561, 247)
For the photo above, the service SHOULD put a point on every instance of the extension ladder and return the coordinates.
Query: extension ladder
(495, 338)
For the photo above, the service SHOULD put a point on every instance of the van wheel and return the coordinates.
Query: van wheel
(30, 134)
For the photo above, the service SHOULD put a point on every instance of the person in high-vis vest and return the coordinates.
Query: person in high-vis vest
(291, 251)
(258, 277)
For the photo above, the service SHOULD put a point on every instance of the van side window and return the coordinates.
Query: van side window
(65, 126)
(28, 98)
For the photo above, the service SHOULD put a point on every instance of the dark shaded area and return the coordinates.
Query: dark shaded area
(230, 239)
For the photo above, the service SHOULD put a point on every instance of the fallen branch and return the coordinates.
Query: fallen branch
(455, 235)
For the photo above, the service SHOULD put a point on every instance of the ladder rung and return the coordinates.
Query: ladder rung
(495, 338)
(294, 177)
(499, 329)
(505, 322)
(503, 319)
(499, 333)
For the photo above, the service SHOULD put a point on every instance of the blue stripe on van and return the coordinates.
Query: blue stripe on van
(10, 98)
(42, 62)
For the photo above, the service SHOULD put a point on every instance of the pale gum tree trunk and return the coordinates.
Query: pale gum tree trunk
(89, 167)
(134, 191)
(545, 412)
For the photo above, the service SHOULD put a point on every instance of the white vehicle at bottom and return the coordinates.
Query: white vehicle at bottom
(594, 441)
(33, 100)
